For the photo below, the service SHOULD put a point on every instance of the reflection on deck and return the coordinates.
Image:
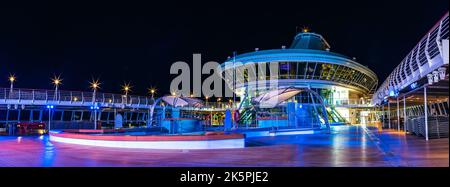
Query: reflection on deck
(345, 146)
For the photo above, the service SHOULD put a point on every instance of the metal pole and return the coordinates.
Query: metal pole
(148, 118)
(234, 88)
(95, 109)
(95, 118)
(426, 111)
(49, 119)
(382, 116)
(404, 114)
(389, 114)
(56, 92)
(398, 115)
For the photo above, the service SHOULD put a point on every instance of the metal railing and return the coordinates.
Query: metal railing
(424, 58)
(38, 96)
(349, 102)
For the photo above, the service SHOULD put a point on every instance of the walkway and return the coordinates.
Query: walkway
(346, 146)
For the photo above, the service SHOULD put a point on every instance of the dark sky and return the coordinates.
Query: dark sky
(138, 42)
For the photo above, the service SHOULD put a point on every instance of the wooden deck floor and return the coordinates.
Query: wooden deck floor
(346, 146)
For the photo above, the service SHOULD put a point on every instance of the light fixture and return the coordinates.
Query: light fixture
(126, 87)
(12, 78)
(56, 80)
(305, 29)
(95, 84)
(435, 76)
(442, 72)
(430, 79)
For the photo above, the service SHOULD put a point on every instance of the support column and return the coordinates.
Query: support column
(425, 111)
(404, 114)
(389, 114)
(382, 116)
(398, 115)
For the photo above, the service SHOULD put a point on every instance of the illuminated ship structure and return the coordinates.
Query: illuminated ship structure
(314, 87)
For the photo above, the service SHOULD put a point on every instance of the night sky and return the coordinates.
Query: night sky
(139, 42)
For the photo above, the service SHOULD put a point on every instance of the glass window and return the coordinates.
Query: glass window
(318, 70)
(325, 72)
(284, 70)
(262, 74)
(336, 68)
(301, 67)
(293, 70)
(341, 73)
(349, 75)
(310, 70)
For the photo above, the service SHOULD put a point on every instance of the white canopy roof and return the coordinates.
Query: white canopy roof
(275, 97)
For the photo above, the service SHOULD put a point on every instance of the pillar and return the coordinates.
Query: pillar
(425, 111)
(389, 114)
(404, 114)
(398, 115)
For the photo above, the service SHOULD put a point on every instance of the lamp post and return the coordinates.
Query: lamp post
(56, 81)
(11, 79)
(126, 88)
(95, 84)
(49, 107)
(152, 92)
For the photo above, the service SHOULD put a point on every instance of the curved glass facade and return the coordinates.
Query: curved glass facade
(338, 81)
(306, 71)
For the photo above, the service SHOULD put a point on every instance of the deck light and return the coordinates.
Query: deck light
(11, 78)
(305, 29)
(430, 79)
(95, 84)
(441, 71)
(56, 80)
(152, 91)
(126, 87)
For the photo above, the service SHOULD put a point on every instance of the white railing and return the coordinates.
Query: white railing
(19, 96)
(72, 98)
(425, 57)
(350, 102)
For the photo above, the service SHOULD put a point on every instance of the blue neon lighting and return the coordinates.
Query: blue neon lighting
(413, 85)
(94, 107)
(391, 93)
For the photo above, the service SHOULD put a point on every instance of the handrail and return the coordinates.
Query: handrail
(418, 62)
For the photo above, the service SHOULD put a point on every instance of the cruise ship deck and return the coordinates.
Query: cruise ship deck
(346, 146)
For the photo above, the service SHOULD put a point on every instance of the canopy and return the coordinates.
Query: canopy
(273, 98)
(182, 101)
